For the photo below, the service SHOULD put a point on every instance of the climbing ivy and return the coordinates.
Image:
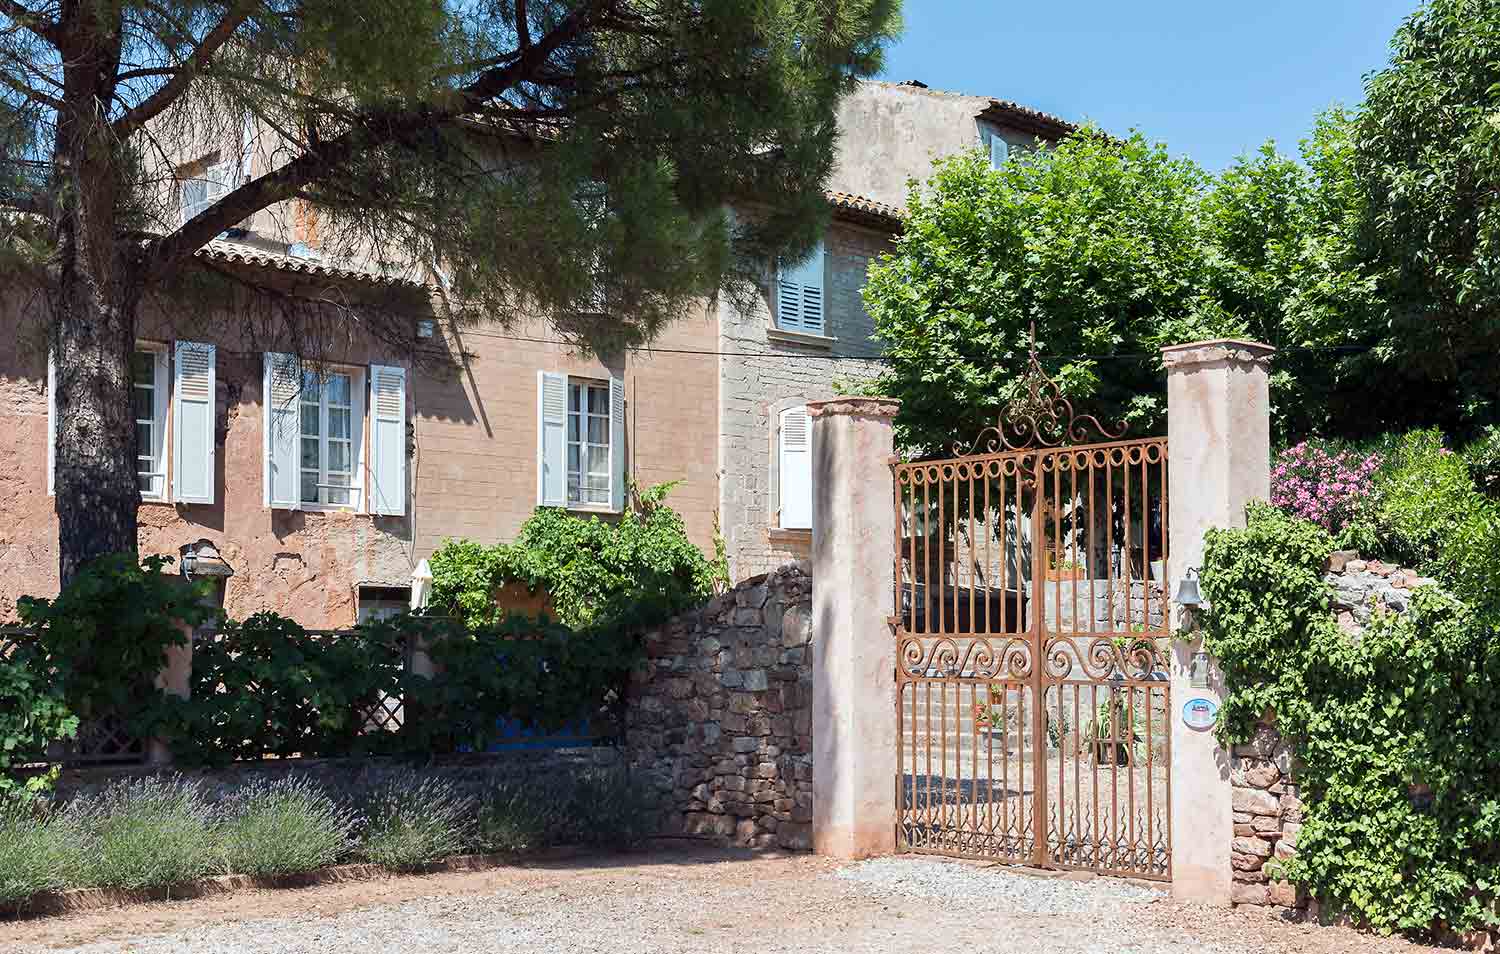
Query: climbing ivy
(1395, 730)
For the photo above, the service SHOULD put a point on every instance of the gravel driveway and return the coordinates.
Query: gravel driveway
(698, 900)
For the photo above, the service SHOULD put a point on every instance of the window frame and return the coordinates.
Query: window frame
(582, 386)
(358, 381)
(783, 268)
(214, 187)
(160, 408)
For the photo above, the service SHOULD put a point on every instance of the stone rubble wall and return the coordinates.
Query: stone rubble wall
(1267, 807)
(719, 715)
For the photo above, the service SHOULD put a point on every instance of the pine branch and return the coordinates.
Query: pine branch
(177, 84)
(370, 130)
(24, 16)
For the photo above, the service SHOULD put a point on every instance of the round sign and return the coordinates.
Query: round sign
(1200, 713)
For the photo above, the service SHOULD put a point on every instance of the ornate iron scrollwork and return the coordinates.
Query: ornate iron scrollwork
(1038, 417)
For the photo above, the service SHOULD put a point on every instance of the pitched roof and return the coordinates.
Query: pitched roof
(1004, 111)
(242, 253)
(858, 208)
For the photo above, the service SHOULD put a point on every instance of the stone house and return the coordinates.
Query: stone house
(780, 355)
(324, 488)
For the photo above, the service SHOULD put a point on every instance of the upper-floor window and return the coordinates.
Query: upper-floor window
(994, 143)
(580, 442)
(201, 189)
(184, 372)
(328, 434)
(149, 404)
(588, 443)
(799, 294)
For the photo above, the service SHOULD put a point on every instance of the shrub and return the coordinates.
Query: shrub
(1394, 731)
(105, 636)
(608, 808)
(266, 686)
(1322, 486)
(517, 817)
(33, 714)
(145, 833)
(412, 820)
(283, 827)
(40, 850)
(1483, 458)
(629, 574)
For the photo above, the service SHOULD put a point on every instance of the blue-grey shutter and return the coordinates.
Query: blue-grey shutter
(193, 423)
(283, 431)
(616, 444)
(795, 469)
(799, 294)
(388, 440)
(551, 439)
(999, 150)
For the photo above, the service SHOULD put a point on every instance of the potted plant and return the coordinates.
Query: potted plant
(1111, 735)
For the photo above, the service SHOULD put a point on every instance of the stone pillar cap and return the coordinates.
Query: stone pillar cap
(1219, 349)
(854, 407)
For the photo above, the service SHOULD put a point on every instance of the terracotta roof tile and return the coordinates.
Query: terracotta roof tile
(239, 253)
(868, 210)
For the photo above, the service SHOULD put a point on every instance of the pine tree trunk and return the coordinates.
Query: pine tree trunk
(95, 462)
(97, 292)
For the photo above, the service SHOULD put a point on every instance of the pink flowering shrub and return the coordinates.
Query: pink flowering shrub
(1321, 486)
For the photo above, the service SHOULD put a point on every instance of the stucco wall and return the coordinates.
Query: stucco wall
(476, 428)
(891, 133)
(760, 375)
(304, 565)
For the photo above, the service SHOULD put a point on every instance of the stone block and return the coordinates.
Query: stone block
(756, 680)
(1256, 802)
(1285, 894)
(1254, 773)
(1291, 808)
(1289, 833)
(1339, 559)
(1243, 893)
(1266, 826)
(1256, 847)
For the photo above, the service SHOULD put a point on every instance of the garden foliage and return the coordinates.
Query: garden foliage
(1394, 730)
(630, 573)
(283, 827)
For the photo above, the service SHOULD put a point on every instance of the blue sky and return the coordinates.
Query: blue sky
(1211, 78)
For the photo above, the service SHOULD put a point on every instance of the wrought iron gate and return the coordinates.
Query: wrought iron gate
(1033, 699)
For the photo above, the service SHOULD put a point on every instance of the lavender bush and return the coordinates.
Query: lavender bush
(1322, 486)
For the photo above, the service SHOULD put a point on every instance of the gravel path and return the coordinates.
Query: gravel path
(703, 901)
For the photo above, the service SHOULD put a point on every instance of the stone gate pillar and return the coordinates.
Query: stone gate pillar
(853, 649)
(1219, 459)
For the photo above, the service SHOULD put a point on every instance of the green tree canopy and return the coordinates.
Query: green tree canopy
(557, 158)
(1427, 161)
(1101, 243)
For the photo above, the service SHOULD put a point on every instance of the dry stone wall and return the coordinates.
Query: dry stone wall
(1267, 806)
(719, 715)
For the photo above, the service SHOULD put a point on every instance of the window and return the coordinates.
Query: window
(799, 294)
(203, 189)
(588, 444)
(580, 447)
(149, 402)
(794, 469)
(327, 438)
(991, 140)
(382, 602)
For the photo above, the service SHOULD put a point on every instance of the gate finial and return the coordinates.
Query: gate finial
(1038, 416)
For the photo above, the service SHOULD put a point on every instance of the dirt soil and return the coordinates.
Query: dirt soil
(676, 897)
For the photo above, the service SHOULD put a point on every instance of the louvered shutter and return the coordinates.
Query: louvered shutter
(388, 440)
(193, 423)
(999, 150)
(799, 294)
(795, 473)
(283, 430)
(551, 439)
(51, 425)
(616, 444)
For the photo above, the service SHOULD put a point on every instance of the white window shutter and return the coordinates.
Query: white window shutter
(795, 469)
(551, 439)
(799, 294)
(616, 444)
(283, 431)
(388, 440)
(51, 425)
(193, 423)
